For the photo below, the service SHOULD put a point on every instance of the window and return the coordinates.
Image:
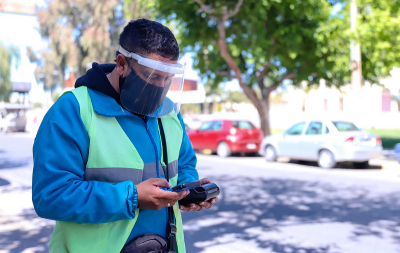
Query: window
(206, 126)
(217, 126)
(314, 128)
(242, 125)
(342, 126)
(326, 130)
(296, 129)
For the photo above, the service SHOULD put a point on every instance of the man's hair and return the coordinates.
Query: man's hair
(144, 37)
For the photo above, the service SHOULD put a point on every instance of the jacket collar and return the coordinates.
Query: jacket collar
(106, 105)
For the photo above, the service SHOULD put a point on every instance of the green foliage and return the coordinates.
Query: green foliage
(280, 33)
(135, 9)
(378, 32)
(79, 32)
(379, 36)
(333, 47)
(8, 56)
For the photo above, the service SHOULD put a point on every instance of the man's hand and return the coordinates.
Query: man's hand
(206, 204)
(151, 197)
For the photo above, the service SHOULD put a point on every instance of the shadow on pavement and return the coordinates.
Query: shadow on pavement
(14, 163)
(4, 182)
(257, 210)
(32, 234)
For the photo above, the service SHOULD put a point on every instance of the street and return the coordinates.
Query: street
(286, 206)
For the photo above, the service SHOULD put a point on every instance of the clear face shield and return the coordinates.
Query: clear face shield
(152, 88)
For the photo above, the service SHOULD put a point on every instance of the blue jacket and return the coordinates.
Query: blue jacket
(60, 153)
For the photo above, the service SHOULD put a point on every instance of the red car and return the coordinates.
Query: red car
(226, 137)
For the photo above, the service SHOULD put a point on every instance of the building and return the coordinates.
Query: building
(374, 106)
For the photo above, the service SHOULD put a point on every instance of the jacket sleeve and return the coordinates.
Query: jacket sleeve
(59, 192)
(187, 159)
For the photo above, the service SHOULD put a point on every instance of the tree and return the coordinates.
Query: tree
(135, 9)
(259, 43)
(8, 56)
(378, 33)
(79, 32)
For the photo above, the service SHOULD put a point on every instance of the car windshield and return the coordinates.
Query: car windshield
(242, 125)
(342, 126)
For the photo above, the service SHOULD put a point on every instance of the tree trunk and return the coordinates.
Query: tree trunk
(263, 112)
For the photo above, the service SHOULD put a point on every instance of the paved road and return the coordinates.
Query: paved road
(264, 207)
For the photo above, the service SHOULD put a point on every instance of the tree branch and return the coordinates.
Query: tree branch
(250, 93)
(223, 73)
(204, 7)
(276, 85)
(235, 11)
(260, 79)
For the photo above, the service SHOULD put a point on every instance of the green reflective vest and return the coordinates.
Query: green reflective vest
(106, 163)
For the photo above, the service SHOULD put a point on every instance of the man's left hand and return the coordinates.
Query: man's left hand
(205, 204)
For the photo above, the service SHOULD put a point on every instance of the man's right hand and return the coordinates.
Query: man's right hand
(151, 197)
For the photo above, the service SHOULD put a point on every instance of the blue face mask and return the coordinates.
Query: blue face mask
(139, 96)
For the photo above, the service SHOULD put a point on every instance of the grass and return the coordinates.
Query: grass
(390, 133)
(389, 136)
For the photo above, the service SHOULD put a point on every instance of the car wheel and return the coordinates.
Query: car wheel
(326, 159)
(270, 154)
(361, 165)
(223, 150)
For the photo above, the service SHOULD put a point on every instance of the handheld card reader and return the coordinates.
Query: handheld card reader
(186, 186)
(198, 193)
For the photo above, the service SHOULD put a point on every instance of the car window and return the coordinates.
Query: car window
(343, 126)
(217, 125)
(206, 126)
(296, 129)
(242, 125)
(314, 128)
(326, 130)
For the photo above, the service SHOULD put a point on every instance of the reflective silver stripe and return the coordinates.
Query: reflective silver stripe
(114, 175)
(150, 170)
(173, 169)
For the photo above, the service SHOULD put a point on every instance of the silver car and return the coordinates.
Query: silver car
(325, 141)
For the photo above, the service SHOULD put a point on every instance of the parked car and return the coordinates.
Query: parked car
(325, 141)
(226, 137)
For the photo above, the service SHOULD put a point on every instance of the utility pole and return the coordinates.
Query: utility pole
(355, 51)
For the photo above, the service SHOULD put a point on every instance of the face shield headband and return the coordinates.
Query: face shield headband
(145, 90)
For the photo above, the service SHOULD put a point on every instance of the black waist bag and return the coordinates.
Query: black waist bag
(148, 243)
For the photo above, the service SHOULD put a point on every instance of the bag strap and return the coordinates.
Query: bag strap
(171, 227)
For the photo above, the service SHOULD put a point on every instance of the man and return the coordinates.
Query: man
(103, 151)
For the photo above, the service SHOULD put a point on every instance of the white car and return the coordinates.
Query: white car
(325, 141)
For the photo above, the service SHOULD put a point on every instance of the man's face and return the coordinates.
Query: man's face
(151, 75)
